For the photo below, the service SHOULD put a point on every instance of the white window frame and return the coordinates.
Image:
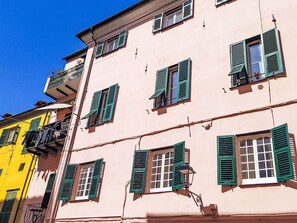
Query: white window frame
(163, 153)
(262, 69)
(174, 14)
(90, 171)
(257, 180)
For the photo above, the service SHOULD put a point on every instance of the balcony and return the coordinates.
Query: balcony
(64, 83)
(47, 140)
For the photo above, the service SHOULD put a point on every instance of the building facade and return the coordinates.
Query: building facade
(17, 164)
(172, 84)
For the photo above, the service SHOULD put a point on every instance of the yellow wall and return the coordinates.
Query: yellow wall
(11, 157)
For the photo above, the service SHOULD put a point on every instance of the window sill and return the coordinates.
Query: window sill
(253, 185)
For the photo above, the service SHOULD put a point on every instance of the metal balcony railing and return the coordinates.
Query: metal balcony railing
(64, 76)
(34, 214)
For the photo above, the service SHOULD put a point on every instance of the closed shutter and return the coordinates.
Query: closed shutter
(138, 179)
(282, 153)
(226, 160)
(95, 179)
(3, 137)
(161, 83)
(67, 183)
(178, 161)
(34, 124)
(238, 63)
(272, 53)
(184, 70)
(48, 190)
(94, 107)
(110, 103)
(158, 22)
(122, 39)
(187, 9)
(99, 49)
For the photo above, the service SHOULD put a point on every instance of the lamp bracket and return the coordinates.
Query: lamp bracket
(197, 199)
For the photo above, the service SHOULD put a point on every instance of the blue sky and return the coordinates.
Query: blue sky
(35, 35)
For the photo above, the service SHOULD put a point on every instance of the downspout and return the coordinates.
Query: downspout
(28, 176)
(55, 200)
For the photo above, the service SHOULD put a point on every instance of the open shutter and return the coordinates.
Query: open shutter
(158, 22)
(99, 49)
(238, 63)
(178, 161)
(161, 83)
(282, 153)
(95, 179)
(94, 107)
(67, 183)
(15, 134)
(139, 169)
(122, 39)
(34, 124)
(272, 53)
(3, 137)
(187, 9)
(184, 70)
(110, 103)
(226, 160)
(48, 190)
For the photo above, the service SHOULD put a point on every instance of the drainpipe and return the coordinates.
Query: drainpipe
(54, 200)
(28, 178)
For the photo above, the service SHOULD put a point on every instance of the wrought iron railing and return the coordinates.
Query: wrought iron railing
(64, 76)
(34, 214)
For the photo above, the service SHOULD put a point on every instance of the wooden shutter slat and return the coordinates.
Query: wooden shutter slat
(272, 53)
(67, 183)
(161, 83)
(110, 103)
(95, 179)
(94, 107)
(184, 70)
(282, 153)
(178, 161)
(226, 160)
(139, 169)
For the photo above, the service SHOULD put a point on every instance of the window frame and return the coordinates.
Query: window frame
(160, 20)
(9, 136)
(217, 2)
(89, 173)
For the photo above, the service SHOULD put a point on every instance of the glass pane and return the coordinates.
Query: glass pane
(174, 85)
(262, 173)
(252, 175)
(244, 175)
(261, 156)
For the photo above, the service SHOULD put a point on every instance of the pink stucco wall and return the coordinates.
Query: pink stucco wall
(211, 97)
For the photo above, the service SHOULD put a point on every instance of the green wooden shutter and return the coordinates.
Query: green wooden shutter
(187, 9)
(67, 183)
(184, 70)
(110, 103)
(34, 124)
(282, 153)
(161, 83)
(95, 179)
(48, 190)
(99, 49)
(138, 179)
(226, 160)
(272, 53)
(238, 63)
(94, 107)
(15, 135)
(158, 22)
(178, 161)
(122, 39)
(3, 137)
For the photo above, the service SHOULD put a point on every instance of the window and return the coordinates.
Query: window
(111, 44)
(172, 84)
(84, 182)
(263, 157)
(9, 136)
(255, 58)
(174, 16)
(8, 206)
(102, 107)
(158, 170)
(34, 124)
(87, 181)
(21, 167)
(218, 2)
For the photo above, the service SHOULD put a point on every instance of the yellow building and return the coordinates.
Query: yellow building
(16, 164)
